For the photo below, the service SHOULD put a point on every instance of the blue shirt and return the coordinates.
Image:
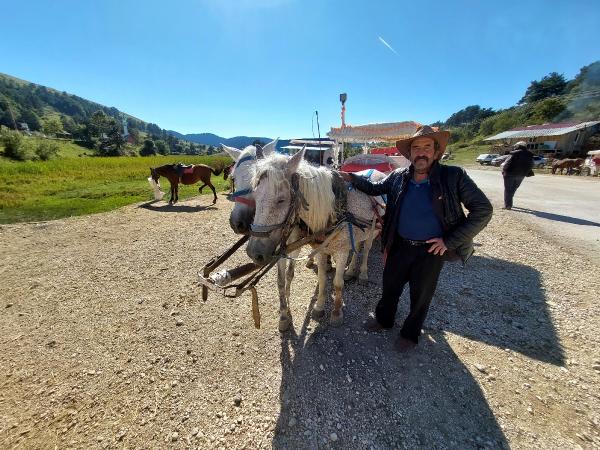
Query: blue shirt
(417, 220)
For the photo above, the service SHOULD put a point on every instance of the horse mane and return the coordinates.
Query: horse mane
(315, 184)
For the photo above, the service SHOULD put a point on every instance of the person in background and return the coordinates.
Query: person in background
(516, 167)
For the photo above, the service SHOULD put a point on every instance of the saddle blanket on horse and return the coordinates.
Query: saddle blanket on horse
(183, 169)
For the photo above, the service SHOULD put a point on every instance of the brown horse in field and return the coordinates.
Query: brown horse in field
(568, 164)
(186, 175)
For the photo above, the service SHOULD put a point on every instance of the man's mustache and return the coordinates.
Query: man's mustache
(425, 158)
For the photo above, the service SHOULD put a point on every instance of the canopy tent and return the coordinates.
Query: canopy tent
(374, 132)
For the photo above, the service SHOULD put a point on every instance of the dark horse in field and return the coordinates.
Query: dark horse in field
(176, 174)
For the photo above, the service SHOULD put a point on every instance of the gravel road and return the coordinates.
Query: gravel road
(105, 343)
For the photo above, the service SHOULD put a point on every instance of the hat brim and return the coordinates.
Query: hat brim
(441, 137)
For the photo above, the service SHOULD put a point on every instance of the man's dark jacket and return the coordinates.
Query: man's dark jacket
(450, 186)
(518, 164)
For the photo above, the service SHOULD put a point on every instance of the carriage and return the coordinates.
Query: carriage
(591, 166)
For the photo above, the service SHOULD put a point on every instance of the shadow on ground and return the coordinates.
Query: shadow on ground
(344, 388)
(557, 217)
(166, 207)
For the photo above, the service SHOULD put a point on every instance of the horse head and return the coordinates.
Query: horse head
(227, 171)
(273, 196)
(155, 176)
(241, 173)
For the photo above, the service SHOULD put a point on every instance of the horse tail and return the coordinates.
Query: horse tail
(216, 171)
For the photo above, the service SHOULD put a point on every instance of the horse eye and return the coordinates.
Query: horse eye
(280, 200)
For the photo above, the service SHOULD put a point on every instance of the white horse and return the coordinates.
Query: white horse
(272, 185)
(242, 214)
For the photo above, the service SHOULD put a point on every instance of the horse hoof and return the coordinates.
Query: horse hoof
(337, 319)
(318, 314)
(284, 324)
(363, 281)
(349, 276)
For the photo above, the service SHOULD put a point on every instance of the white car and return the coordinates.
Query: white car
(486, 158)
(539, 162)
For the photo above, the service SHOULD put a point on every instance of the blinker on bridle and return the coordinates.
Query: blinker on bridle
(239, 196)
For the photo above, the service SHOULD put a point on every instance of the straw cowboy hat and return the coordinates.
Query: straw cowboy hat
(440, 137)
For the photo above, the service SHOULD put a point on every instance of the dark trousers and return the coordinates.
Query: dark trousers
(511, 184)
(413, 265)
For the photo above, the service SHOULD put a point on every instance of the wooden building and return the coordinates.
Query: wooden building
(560, 139)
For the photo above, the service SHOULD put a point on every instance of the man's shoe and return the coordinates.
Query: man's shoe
(373, 326)
(404, 345)
(508, 208)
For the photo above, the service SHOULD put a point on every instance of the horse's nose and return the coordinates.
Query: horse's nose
(240, 226)
(259, 251)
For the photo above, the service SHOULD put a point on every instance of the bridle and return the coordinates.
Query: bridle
(239, 196)
(297, 201)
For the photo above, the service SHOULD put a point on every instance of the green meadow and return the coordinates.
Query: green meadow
(73, 185)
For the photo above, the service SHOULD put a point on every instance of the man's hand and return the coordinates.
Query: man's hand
(346, 176)
(438, 247)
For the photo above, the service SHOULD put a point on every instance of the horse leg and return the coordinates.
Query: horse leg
(337, 316)
(352, 270)
(363, 277)
(172, 194)
(176, 192)
(212, 188)
(319, 310)
(284, 312)
(201, 187)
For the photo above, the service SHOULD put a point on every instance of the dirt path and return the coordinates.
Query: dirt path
(105, 343)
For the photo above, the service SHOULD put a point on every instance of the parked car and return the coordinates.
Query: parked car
(499, 160)
(539, 162)
(486, 158)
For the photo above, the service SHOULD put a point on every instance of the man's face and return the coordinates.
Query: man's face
(422, 153)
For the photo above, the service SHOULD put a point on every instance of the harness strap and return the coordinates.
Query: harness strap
(243, 160)
(233, 195)
(351, 233)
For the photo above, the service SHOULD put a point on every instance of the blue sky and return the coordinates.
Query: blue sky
(262, 67)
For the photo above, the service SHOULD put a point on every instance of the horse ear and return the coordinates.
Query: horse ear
(294, 162)
(270, 147)
(231, 151)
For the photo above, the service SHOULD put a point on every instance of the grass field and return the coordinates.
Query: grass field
(73, 185)
(466, 156)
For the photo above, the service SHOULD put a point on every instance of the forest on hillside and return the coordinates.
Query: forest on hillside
(98, 127)
(553, 98)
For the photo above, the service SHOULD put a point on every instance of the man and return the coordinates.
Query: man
(516, 167)
(424, 224)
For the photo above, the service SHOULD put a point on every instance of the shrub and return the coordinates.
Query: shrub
(46, 150)
(149, 148)
(15, 147)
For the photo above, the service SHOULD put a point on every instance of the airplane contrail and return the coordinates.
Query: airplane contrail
(387, 45)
